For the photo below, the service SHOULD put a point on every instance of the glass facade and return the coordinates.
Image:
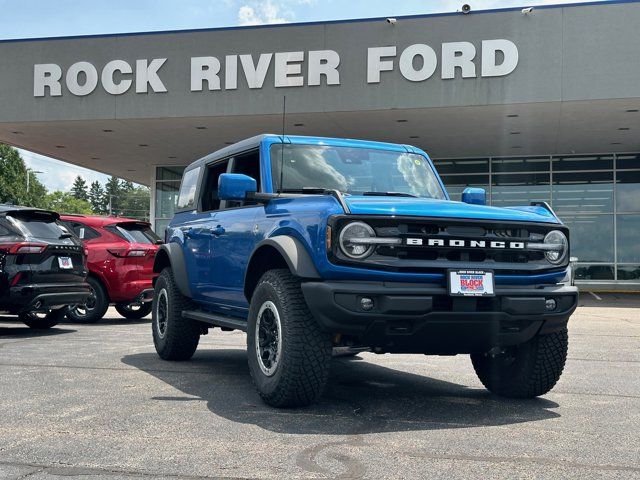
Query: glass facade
(166, 196)
(597, 196)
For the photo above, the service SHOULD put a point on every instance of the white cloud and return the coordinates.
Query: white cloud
(260, 14)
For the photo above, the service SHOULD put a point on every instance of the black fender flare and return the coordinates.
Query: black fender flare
(290, 249)
(175, 256)
(297, 258)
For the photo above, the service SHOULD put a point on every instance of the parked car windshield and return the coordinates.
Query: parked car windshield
(353, 170)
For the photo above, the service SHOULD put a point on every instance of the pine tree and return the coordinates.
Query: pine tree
(96, 198)
(112, 195)
(79, 189)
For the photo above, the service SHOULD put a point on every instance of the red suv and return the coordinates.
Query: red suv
(120, 259)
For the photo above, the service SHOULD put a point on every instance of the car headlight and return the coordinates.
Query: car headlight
(557, 247)
(355, 240)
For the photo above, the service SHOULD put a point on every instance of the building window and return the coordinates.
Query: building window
(508, 190)
(591, 237)
(628, 237)
(628, 191)
(460, 174)
(582, 193)
(167, 187)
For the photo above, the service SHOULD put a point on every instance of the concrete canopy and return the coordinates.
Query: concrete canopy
(574, 89)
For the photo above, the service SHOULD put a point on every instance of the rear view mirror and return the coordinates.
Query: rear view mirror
(235, 186)
(475, 196)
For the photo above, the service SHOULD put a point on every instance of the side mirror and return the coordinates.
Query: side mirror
(475, 196)
(235, 186)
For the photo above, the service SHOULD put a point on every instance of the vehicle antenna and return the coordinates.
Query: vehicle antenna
(284, 116)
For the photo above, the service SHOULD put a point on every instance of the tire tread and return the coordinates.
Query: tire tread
(182, 336)
(543, 363)
(308, 356)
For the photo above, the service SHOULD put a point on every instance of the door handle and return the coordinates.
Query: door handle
(219, 230)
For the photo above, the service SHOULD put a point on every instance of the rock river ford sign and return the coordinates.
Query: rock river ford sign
(416, 63)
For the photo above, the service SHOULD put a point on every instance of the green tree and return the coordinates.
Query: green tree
(112, 191)
(79, 189)
(13, 180)
(135, 202)
(96, 198)
(65, 202)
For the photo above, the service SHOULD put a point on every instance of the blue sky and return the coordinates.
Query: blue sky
(52, 18)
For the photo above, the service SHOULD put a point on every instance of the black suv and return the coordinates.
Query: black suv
(42, 266)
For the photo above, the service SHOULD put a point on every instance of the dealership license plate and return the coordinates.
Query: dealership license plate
(471, 283)
(65, 263)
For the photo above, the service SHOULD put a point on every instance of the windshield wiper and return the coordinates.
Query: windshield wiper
(389, 194)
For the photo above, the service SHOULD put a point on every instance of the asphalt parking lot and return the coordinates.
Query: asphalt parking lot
(94, 401)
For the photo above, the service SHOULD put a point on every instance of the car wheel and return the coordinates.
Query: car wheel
(134, 311)
(289, 355)
(524, 371)
(42, 320)
(94, 308)
(175, 337)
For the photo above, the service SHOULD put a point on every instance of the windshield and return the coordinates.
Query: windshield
(353, 170)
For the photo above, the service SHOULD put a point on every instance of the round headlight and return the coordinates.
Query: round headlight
(353, 240)
(559, 241)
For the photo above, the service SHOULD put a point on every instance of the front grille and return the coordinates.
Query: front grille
(427, 244)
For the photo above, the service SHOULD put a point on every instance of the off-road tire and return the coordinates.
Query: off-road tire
(143, 311)
(100, 308)
(51, 319)
(178, 338)
(525, 371)
(305, 351)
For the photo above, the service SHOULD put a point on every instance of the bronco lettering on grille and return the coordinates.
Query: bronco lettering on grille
(441, 242)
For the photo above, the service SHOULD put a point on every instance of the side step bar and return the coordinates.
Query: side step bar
(216, 320)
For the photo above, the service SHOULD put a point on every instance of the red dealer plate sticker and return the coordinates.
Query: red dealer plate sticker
(471, 283)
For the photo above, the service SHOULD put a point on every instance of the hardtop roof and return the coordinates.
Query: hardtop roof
(254, 142)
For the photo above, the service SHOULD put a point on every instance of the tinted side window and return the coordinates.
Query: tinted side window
(210, 199)
(247, 164)
(187, 196)
(82, 231)
(4, 229)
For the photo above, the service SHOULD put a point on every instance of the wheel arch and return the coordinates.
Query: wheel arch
(171, 255)
(102, 281)
(280, 251)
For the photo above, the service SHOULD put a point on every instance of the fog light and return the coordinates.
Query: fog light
(366, 304)
(550, 304)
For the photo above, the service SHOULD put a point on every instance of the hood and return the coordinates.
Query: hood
(428, 207)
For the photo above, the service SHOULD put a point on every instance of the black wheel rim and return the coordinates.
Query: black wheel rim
(268, 338)
(162, 310)
(88, 307)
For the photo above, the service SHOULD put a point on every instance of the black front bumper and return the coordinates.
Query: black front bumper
(421, 318)
(42, 297)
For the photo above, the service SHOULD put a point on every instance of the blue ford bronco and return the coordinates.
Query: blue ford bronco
(309, 243)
